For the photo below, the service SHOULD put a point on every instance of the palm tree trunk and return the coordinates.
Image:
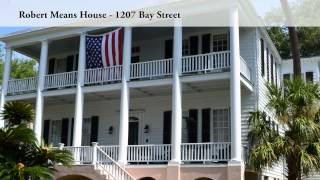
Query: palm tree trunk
(293, 173)
(294, 41)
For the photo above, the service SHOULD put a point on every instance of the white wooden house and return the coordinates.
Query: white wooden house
(177, 108)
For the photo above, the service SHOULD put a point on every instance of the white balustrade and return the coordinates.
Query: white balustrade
(150, 69)
(149, 153)
(81, 155)
(206, 151)
(101, 75)
(60, 80)
(112, 151)
(244, 69)
(22, 85)
(216, 61)
(110, 168)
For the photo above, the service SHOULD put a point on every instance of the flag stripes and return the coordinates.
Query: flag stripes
(104, 50)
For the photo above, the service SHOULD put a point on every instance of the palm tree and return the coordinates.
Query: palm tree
(296, 107)
(21, 155)
(294, 41)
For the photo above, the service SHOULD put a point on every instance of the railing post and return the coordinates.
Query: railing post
(61, 146)
(94, 152)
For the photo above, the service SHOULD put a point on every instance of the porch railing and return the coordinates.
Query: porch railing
(149, 153)
(60, 80)
(22, 85)
(215, 61)
(190, 152)
(112, 151)
(150, 69)
(81, 155)
(220, 151)
(245, 70)
(101, 75)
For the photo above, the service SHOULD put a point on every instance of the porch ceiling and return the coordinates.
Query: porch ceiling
(100, 96)
(63, 99)
(56, 47)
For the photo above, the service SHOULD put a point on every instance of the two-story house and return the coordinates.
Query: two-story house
(176, 107)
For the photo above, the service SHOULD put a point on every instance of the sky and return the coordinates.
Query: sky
(262, 6)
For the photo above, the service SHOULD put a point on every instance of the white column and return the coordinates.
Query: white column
(124, 104)
(94, 152)
(176, 95)
(41, 79)
(235, 90)
(78, 115)
(5, 80)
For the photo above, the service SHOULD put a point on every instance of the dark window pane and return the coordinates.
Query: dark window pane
(309, 76)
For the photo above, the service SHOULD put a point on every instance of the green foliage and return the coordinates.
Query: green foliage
(280, 39)
(296, 107)
(17, 112)
(21, 156)
(303, 11)
(21, 68)
(309, 39)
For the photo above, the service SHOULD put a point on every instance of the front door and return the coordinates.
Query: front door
(133, 138)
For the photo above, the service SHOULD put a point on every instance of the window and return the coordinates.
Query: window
(309, 76)
(262, 56)
(55, 132)
(221, 125)
(185, 47)
(268, 65)
(220, 43)
(286, 77)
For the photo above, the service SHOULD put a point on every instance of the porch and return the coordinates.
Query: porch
(153, 153)
(210, 63)
(205, 124)
(205, 51)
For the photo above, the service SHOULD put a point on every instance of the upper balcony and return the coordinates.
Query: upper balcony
(205, 52)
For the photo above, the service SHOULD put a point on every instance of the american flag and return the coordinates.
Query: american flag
(104, 50)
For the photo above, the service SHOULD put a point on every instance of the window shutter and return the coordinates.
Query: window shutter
(64, 131)
(70, 60)
(167, 127)
(77, 62)
(46, 128)
(206, 125)
(268, 66)
(72, 123)
(168, 49)
(94, 128)
(192, 124)
(194, 45)
(262, 56)
(205, 43)
(51, 66)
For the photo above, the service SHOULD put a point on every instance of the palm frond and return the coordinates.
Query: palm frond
(17, 112)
